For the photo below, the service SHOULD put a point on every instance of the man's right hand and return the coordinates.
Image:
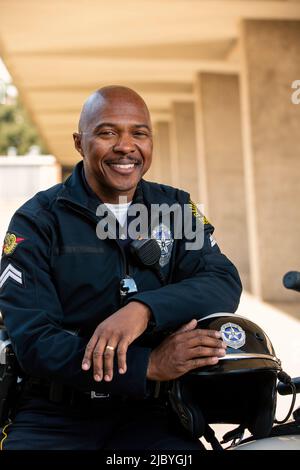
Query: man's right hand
(186, 349)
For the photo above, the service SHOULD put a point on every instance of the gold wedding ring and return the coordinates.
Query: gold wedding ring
(110, 347)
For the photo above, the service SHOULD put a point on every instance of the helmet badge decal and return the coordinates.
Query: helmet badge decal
(233, 335)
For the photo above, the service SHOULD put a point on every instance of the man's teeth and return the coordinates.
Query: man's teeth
(123, 165)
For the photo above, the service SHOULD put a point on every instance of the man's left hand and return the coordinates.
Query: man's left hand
(115, 333)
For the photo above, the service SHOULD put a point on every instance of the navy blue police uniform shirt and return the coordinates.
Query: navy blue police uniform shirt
(58, 277)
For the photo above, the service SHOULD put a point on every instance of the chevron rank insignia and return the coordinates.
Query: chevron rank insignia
(13, 273)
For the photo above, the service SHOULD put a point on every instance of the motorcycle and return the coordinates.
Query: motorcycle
(285, 434)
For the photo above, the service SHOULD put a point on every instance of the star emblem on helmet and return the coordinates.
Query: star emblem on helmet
(233, 335)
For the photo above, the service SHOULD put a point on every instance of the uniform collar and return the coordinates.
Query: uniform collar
(77, 191)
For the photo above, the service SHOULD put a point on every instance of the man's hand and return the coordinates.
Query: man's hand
(115, 333)
(186, 349)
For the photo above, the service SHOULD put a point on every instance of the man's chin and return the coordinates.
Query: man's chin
(125, 184)
(122, 190)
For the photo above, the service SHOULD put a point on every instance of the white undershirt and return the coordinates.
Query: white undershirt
(119, 211)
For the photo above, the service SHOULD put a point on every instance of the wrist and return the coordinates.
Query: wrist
(154, 370)
(141, 308)
(151, 374)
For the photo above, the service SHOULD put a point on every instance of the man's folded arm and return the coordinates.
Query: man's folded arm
(34, 319)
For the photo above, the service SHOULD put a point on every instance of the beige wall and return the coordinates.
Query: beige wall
(20, 179)
(272, 152)
(184, 149)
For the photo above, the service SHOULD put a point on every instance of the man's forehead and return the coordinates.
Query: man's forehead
(115, 108)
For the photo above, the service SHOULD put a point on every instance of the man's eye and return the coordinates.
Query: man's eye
(141, 134)
(106, 133)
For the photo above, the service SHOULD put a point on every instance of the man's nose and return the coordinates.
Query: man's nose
(125, 144)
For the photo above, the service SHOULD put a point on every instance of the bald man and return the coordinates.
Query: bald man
(99, 313)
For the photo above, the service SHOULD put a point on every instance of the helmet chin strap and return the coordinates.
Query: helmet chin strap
(235, 435)
(210, 437)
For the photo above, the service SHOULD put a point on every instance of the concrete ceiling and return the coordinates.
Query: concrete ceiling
(59, 51)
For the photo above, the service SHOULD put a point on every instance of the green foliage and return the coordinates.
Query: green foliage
(17, 130)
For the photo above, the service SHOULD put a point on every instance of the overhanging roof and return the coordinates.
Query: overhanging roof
(59, 51)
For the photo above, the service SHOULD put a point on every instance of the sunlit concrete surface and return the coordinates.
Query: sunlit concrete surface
(284, 332)
(20, 179)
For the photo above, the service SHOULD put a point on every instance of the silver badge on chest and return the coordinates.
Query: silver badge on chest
(162, 235)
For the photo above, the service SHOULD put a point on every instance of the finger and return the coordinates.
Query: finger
(121, 352)
(211, 333)
(198, 335)
(202, 362)
(202, 351)
(98, 359)
(187, 326)
(108, 360)
(205, 341)
(88, 353)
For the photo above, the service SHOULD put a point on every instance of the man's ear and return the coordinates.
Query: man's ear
(77, 143)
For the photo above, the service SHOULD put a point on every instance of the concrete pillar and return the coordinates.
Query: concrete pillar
(271, 129)
(221, 164)
(183, 148)
(163, 152)
(154, 172)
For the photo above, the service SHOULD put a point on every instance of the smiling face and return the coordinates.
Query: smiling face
(115, 141)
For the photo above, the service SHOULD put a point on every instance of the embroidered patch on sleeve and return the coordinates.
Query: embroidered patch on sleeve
(11, 241)
(13, 273)
(196, 213)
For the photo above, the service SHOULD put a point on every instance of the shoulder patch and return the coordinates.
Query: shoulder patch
(11, 242)
(197, 214)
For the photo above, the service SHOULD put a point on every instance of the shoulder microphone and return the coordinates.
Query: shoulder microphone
(147, 252)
